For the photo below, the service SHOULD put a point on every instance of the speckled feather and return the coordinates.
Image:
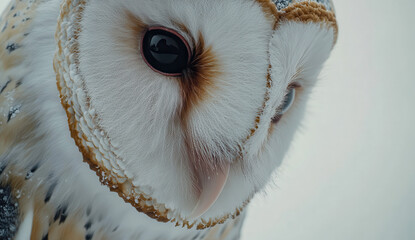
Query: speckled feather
(14, 26)
(281, 4)
(16, 127)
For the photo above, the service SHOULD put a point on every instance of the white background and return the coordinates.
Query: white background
(351, 171)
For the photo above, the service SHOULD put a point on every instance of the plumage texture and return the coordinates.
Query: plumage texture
(281, 4)
(249, 53)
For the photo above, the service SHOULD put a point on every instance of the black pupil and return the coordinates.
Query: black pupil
(165, 51)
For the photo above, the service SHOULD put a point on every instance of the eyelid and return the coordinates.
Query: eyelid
(294, 85)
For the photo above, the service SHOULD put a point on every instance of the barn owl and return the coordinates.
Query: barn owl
(141, 119)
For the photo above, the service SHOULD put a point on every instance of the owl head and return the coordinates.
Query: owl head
(185, 108)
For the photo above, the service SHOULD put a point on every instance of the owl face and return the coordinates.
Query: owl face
(184, 108)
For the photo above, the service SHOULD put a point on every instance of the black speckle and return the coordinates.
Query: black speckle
(4, 87)
(115, 229)
(89, 236)
(64, 214)
(25, 19)
(30, 173)
(46, 237)
(13, 111)
(12, 8)
(63, 218)
(88, 225)
(26, 34)
(57, 214)
(34, 168)
(9, 213)
(50, 192)
(19, 83)
(14, 26)
(15, 15)
(12, 47)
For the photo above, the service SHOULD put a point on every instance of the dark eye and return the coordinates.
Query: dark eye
(286, 105)
(288, 101)
(165, 51)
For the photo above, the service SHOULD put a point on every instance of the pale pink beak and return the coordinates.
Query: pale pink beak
(211, 184)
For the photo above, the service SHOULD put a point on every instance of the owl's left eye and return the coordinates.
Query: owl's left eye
(165, 51)
(286, 104)
(288, 101)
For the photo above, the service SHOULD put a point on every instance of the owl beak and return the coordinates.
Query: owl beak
(211, 186)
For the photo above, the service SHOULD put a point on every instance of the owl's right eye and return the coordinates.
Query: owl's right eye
(165, 51)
